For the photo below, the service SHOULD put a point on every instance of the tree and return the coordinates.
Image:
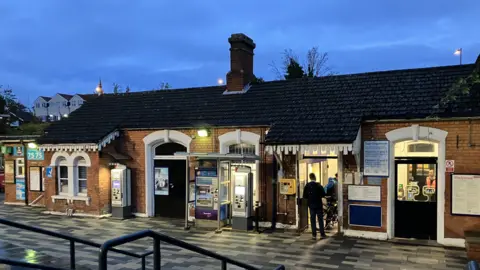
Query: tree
(127, 89)
(164, 86)
(315, 66)
(257, 80)
(117, 88)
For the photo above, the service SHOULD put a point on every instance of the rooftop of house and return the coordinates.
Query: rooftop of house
(312, 110)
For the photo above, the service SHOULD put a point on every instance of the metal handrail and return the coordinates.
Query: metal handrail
(472, 265)
(71, 239)
(157, 238)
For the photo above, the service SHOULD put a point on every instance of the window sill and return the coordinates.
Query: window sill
(71, 199)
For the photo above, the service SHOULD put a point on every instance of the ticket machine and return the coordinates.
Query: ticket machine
(121, 192)
(243, 199)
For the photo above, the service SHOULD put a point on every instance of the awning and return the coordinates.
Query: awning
(218, 156)
(318, 149)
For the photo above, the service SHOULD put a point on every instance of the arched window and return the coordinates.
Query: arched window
(169, 149)
(242, 148)
(81, 175)
(62, 176)
(421, 148)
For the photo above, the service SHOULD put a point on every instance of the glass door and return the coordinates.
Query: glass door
(416, 202)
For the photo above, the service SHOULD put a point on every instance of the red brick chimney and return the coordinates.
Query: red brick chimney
(241, 63)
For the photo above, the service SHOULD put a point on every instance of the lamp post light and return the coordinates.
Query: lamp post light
(459, 52)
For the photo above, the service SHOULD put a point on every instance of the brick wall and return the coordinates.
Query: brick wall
(458, 148)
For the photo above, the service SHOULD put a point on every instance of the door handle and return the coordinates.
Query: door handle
(172, 186)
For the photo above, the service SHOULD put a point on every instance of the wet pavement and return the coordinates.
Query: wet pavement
(262, 250)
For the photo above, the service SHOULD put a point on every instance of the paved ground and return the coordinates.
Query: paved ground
(262, 250)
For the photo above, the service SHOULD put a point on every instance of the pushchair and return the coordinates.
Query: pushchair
(330, 212)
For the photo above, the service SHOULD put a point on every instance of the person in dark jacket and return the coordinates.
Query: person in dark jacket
(314, 192)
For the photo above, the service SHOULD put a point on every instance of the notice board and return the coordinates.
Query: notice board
(364, 193)
(376, 158)
(465, 194)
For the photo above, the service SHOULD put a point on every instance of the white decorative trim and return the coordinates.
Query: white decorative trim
(419, 133)
(238, 136)
(309, 149)
(366, 234)
(14, 203)
(453, 242)
(108, 139)
(56, 158)
(151, 141)
(71, 199)
(69, 147)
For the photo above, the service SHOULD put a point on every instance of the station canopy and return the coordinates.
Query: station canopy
(218, 156)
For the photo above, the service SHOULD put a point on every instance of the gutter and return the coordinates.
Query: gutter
(421, 120)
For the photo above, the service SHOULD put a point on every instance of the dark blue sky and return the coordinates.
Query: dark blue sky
(50, 46)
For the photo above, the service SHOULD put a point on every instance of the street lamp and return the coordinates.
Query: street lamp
(459, 52)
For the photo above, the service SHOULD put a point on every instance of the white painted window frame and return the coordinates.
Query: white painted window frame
(72, 161)
(17, 167)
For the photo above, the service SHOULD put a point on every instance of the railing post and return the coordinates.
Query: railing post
(72, 254)
(224, 265)
(143, 262)
(102, 259)
(157, 260)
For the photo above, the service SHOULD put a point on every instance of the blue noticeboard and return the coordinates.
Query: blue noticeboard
(35, 154)
(365, 215)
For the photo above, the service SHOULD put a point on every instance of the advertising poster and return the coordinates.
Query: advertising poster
(35, 179)
(191, 189)
(206, 214)
(161, 181)
(9, 171)
(18, 151)
(20, 189)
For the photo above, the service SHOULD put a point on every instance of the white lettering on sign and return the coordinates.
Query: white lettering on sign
(466, 194)
(376, 158)
(364, 193)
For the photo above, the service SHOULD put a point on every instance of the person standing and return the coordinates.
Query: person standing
(314, 193)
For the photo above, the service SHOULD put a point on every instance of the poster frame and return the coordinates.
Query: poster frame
(388, 155)
(40, 178)
(451, 195)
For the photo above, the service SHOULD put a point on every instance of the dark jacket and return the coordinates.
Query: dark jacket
(314, 193)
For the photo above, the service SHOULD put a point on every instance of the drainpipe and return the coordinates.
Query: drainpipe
(26, 170)
(274, 192)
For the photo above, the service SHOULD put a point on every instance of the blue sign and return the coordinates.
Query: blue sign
(20, 189)
(35, 154)
(48, 172)
(18, 151)
(365, 215)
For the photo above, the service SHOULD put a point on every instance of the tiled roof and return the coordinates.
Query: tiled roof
(65, 96)
(315, 110)
(87, 96)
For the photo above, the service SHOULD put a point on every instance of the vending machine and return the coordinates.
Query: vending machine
(243, 199)
(121, 192)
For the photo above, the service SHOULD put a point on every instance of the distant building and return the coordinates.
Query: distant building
(59, 106)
